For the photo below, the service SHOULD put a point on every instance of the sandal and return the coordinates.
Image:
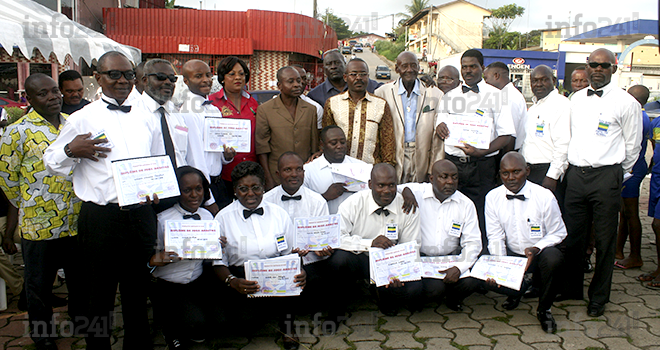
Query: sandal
(655, 285)
(619, 265)
(646, 277)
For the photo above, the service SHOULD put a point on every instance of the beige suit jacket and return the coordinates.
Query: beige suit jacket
(429, 147)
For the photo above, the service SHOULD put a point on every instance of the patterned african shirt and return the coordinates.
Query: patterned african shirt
(48, 208)
(367, 124)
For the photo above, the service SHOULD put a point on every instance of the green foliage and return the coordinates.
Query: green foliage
(499, 36)
(13, 114)
(416, 6)
(390, 49)
(336, 23)
(169, 4)
(505, 15)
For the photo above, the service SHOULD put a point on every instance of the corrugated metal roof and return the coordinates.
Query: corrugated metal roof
(217, 32)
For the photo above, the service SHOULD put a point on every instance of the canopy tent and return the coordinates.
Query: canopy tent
(27, 25)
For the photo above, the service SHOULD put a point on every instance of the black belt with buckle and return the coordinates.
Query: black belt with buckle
(126, 207)
(466, 159)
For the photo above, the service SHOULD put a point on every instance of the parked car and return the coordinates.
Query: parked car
(5, 102)
(357, 47)
(383, 72)
(264, 95)
(346, 50)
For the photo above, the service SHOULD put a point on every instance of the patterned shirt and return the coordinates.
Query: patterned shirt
(367, 124)
(47, 207)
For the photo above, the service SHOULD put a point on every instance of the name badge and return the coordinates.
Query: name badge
(392, 232)
(101, 135)
(456, 229)
(535, 231)
(603, 127)
(539, 129)
(281, 243)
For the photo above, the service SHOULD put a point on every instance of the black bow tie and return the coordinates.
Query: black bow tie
(466, 88)
(515, 196)
(114, 107)
(288, 198)
(382, 211)
(248, 212)
(207, 102)
(192, 216)
(592, 92)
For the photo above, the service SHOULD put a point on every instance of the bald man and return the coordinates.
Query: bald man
(413, 107)
(606, 124)
(523, 219)
(448, 78)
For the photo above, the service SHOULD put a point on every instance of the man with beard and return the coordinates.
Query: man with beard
(286, 123)
(71, 86)
(413, 107)
(448, 78)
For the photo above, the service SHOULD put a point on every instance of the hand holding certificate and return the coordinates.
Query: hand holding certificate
(471, 130)
(399, 262)
(355, 177)
(432, 265)
(507, 271)
(229, 132)
(276, 277)
(193, 239)
(137, 178)
(316, 233)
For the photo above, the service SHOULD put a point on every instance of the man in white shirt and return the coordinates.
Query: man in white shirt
(477, 168)
(606, 124)
(105, 130)
(318, 174)
(497, 75)
(448, 226)
(548, 130)
(365, 219)
(523, 219)
(319, 108)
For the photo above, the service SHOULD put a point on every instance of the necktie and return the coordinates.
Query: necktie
(193, 216)
(167, 139)
(382, 211)
(114, 107)
(597, 93)
(515, 196)
(207, 102)
(473, 88)
(247, 212)
(287, 198)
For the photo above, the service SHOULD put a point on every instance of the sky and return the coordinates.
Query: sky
(376, 16)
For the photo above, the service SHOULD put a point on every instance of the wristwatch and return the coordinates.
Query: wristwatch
(229, 279)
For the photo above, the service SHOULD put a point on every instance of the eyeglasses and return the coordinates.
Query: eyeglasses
(358, 75)
(255, 189)
(445, 80)
(605, 65)
(116, 74)
(162, 76)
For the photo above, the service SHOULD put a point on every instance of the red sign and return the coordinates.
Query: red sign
(519, 60)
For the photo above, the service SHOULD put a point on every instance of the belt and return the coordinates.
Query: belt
(124, 208)
(466, 159)
(538, 165)
(409, 144)
(590, 169)
(216, 179)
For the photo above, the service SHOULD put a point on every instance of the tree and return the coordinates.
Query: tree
(169, 4)
(501, 19)
(412, 9)
(336, 23)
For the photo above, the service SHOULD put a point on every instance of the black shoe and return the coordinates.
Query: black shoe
(174, 343)
(594, 309)
(511, 303)
(531, 293)
(290, 343)
(57, 301)
(22, 301)
(588, 267)
(454, 305)
(45, 344)
(548, 323)
(389, 311)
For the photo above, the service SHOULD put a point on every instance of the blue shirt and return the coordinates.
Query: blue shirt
(655, 136)
(326, 90)
(640, 166)
(409, 110)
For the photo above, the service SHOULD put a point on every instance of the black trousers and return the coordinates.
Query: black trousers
(115, 246)
(545, 268)
(222, 191)
(537, 175)
(435, 289)
(475, 179)
(347, 267)
(42, 260)
(591, 193)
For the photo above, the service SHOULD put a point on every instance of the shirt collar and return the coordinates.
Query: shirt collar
(221, 94)
(428, 193)
(153, 106)
(282, 192)
(328, 86)
(523, 190)
(372, 206)
(35, 118)
(241, 207)
(345, 96)
(180, 209)
(537, 101)
(606, 89)
(402, 88)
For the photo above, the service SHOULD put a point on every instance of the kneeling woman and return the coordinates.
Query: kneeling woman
(254, 230)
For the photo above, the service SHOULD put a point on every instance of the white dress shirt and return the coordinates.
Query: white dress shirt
(518, 106)
(360, 225)
(319, 109)
(175, 124)
(606, 130)
(253, 238)
(311, 204)
(183, 271)
(131, 135)
(548, 131)
(318, 178)
(489, 100)
(517, 224)
(447, 227)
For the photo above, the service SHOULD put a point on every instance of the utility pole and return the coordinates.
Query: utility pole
(316, 15)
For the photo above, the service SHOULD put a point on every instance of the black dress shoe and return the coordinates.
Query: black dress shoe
(548, 323)
(595, 309)
(290, 343)
(174, 343)
(45, 344)
(454, 305)
(588, 266)
(511, 303)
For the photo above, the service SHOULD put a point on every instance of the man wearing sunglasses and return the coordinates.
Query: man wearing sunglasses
(115, 242)
(607, 131)
(365, 118)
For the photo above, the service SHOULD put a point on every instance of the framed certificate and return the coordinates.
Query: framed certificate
(193, 239)
(236, 133)
(137, 178)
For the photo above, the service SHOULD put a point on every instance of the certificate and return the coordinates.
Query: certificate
(137, 178)
(432, 264)
(507, 271)
(354, 176)
(473, 130)
(193, 239)
(230, 132)
(316, 233)
(311, 257)
(275, 276)
(400, 262)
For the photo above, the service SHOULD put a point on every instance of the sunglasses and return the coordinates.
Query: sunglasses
(116, 74)
(162, 76)
(605, 65)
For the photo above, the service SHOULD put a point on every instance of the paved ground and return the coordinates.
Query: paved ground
(374, 60)
(631, 321)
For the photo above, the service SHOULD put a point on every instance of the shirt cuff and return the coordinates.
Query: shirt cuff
(365, 244)
(553, 172)
(218, 263)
